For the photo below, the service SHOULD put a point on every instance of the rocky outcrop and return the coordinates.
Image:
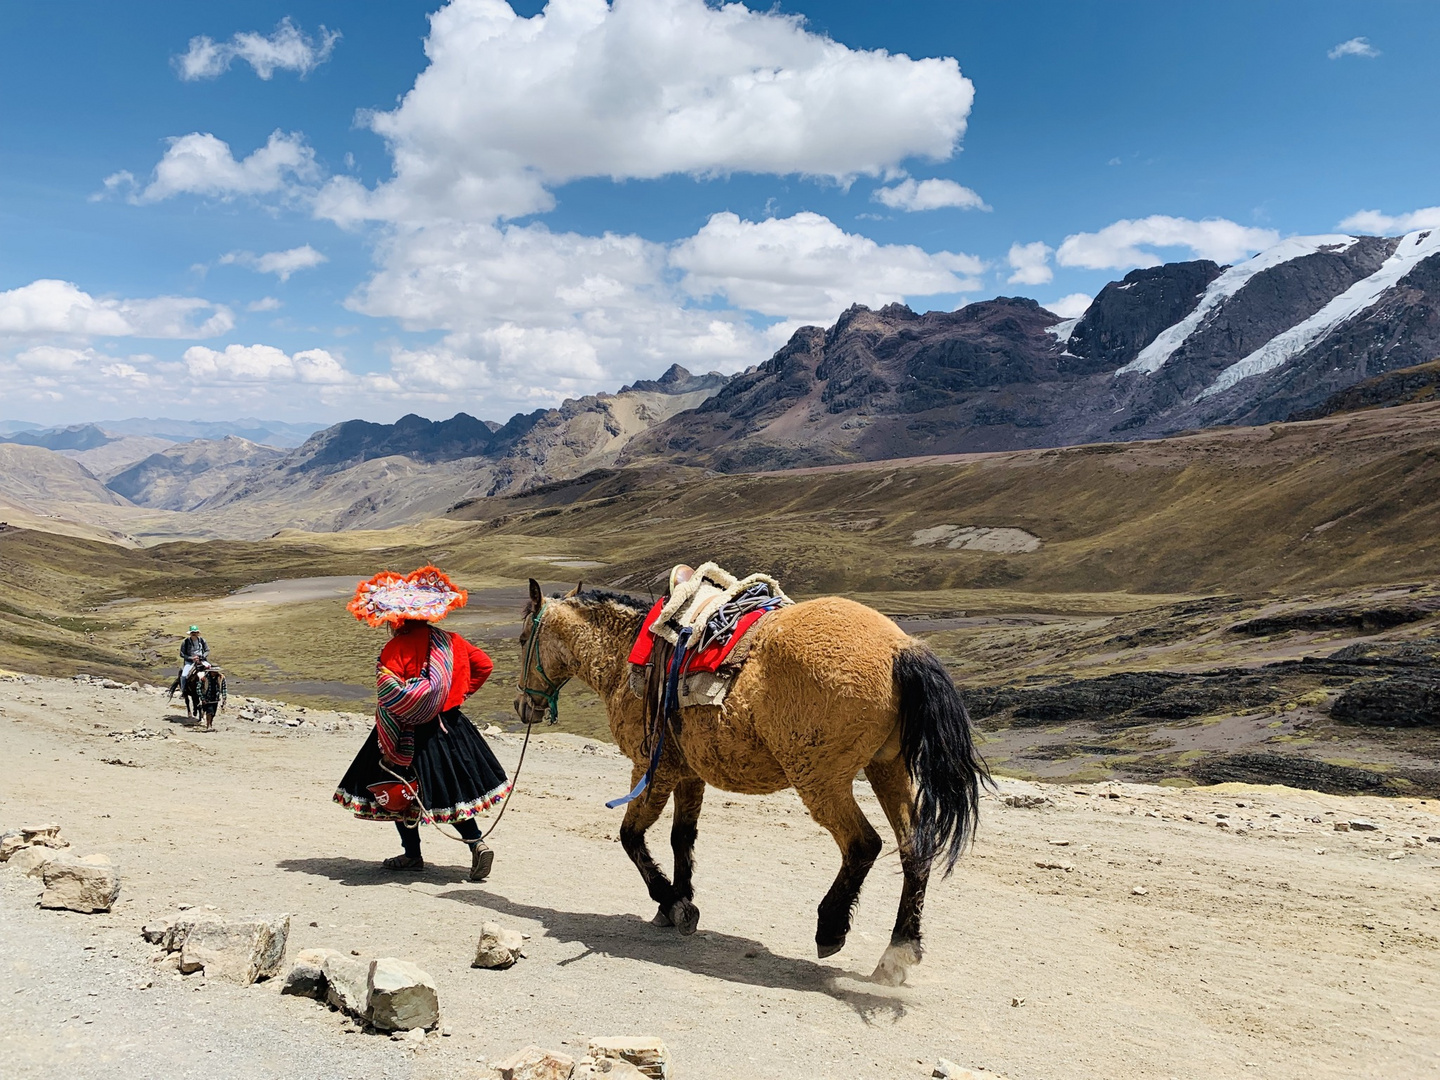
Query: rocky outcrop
(1409, 700)
(182, 477)
(1129, 314)
(1406, 386)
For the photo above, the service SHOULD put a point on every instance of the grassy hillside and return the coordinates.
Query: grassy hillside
(1148, 554)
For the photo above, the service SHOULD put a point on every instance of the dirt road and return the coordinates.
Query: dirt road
(1162, 939)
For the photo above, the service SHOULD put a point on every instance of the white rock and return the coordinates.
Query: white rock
(31, 861)
(347, 984)
(499, 946)
(402, 997)
(89, 884)
(30, 836)
(535, 1063)
(239, 951)
(648, 1054)
(1027, 802)
(606, 1069)
(1360, 825)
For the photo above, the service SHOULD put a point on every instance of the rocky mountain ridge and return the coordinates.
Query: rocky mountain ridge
(1166, 349)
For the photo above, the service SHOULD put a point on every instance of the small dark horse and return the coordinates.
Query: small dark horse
(203, 692)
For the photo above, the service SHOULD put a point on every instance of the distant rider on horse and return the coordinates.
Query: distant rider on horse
(192, 649)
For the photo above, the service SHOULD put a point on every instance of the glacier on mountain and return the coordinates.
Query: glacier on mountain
(1289, 344)
(1152, 358)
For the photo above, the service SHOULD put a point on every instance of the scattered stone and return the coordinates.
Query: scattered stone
(499, 947)
(1027, 802)
(402, 997)
(648, 1054)
(14, 840)
(606, 1069)
(1017, 1002)
(306, 977)
(1360, 825)
(535, 1063)
(1395, 855)
(1342, 826)
(87, 885)
(31, 861)
(412, 1035)
(948, 1070)
(1059, 843)
(240, 952)
(1045, 864)
(155, 933)
(1139, 890)
(347, 984)
(1432, 839)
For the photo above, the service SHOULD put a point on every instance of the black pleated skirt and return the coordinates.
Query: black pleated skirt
(459, 775)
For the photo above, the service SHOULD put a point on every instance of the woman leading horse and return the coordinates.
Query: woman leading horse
(831, 688)
(423, 762)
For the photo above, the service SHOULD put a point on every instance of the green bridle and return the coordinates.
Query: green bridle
(551, 694)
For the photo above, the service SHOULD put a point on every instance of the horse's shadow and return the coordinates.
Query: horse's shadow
(710, 953)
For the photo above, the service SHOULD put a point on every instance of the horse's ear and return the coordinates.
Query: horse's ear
(575, 591)
(537, 598)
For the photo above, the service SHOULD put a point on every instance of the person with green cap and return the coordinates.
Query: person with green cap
(193, 648)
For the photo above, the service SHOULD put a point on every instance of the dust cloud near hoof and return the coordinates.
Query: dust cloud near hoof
(898, 960)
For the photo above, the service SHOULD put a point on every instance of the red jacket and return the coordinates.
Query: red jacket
(407, 652)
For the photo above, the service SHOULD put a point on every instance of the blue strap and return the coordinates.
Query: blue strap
(672, 693)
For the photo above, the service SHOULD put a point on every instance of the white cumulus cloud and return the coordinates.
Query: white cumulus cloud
(280, 263)
(806, 267)
(288, 48)
(1071, 306)
(510, 107)
(1030, 263)
(1125, 244)
(1377, 223)
(1356, 46)
(263, 363)
(915, 194)
(201, 164)
(51, 307)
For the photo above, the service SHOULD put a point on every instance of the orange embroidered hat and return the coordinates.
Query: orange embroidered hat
(427, 594)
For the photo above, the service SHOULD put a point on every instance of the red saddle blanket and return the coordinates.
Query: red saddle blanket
(708, 659)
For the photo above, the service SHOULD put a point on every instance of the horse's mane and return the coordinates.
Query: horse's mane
(591, 597)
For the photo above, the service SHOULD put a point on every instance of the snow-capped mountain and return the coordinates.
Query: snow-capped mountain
(1168, 348)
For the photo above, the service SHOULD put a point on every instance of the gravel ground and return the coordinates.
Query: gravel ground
(1110, 932)
(81, 1004)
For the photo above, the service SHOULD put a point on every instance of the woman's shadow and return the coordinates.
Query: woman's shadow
(710, 953)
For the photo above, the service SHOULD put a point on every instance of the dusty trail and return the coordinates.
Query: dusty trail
(1248, 954)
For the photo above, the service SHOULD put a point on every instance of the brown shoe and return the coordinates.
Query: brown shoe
(404, 862)
(481, 859)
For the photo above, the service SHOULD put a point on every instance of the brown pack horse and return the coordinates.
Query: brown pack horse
(831, 687)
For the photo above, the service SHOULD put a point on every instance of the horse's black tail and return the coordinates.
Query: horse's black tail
(940, 755)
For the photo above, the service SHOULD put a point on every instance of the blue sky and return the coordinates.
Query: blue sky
(570, 203)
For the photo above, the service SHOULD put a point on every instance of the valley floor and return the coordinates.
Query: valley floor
(1205, 932)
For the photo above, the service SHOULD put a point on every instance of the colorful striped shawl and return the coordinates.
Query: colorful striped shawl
(401, 705)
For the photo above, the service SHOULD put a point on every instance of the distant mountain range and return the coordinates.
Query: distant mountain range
(1311, 326)
(279, 433)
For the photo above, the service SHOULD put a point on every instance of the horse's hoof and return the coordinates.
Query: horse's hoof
(898, 959)
(829, 948)
(661, 919)
(684, 916)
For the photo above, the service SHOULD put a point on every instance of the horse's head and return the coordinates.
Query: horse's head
(544, 660)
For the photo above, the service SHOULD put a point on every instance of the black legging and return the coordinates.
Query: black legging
(469, 828)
